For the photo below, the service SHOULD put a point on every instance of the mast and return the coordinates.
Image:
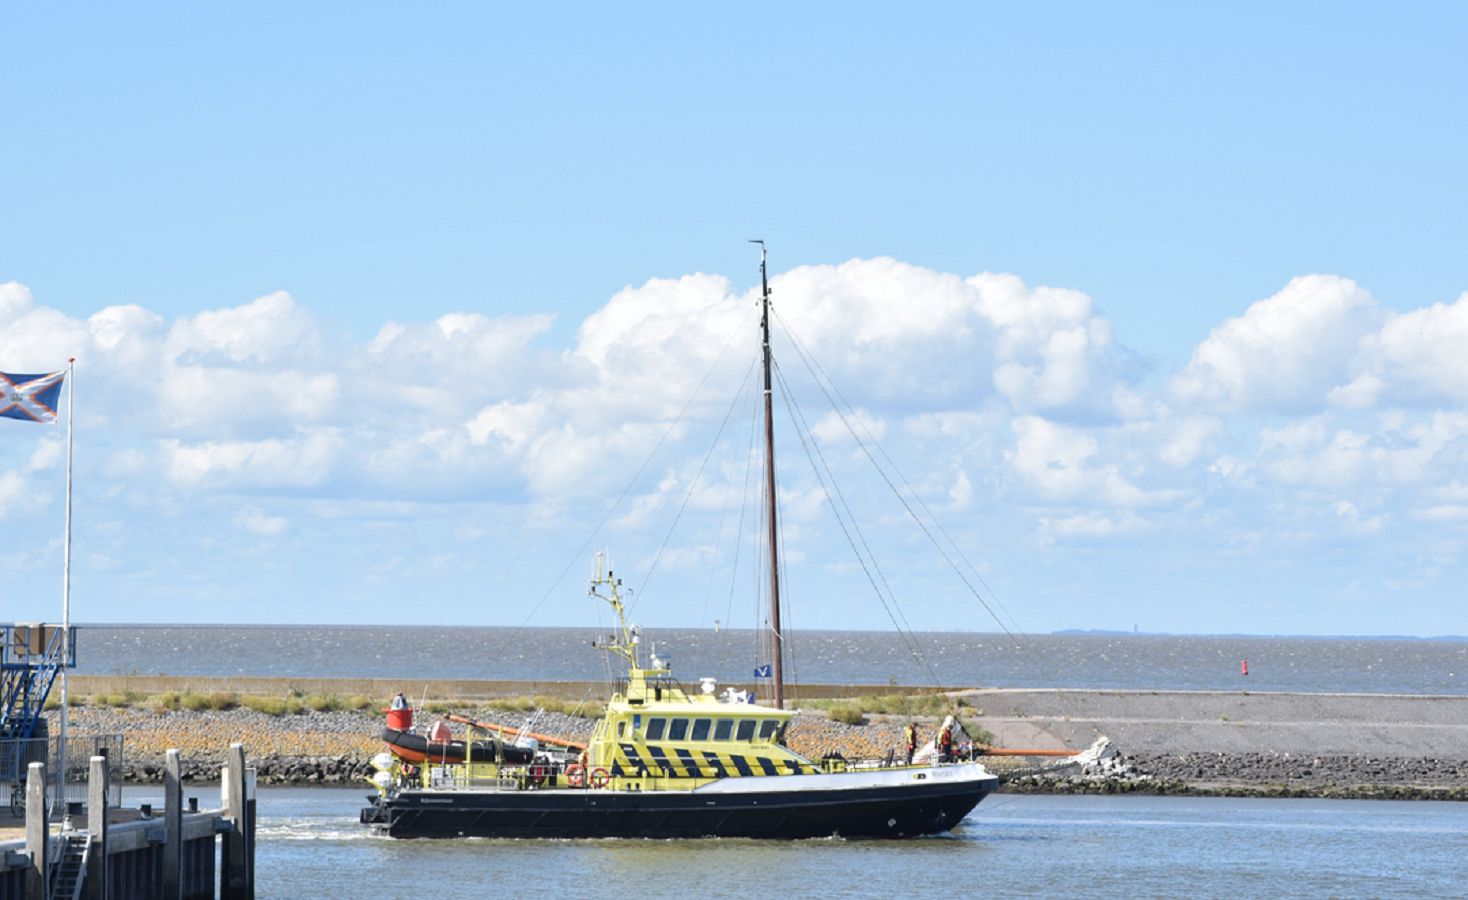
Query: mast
(776, 636)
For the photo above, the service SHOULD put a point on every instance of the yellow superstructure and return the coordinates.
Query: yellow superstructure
(656, 735)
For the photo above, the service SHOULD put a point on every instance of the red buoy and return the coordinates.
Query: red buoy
(1244, 667)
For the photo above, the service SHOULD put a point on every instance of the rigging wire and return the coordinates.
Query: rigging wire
(903, 500)
(806, 442)
(581, 551)
(743, 509)
(692, 486)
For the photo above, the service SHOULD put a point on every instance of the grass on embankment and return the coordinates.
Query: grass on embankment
(855, 710)
(294, 703)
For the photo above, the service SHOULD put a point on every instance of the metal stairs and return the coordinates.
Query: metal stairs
(71, 868)
(31, 656)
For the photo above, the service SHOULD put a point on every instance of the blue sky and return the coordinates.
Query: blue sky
(368, 302)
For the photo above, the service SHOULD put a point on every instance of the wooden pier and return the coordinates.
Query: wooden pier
(117, 853)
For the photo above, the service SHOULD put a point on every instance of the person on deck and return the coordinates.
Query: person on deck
(911, 735)
(945, 744)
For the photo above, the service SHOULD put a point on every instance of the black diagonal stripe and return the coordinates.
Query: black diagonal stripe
(768, 765)
(742, 765)
(630, 751)
(690, 763)
(616, 768)
(661, 759)
(793, 766)
(716, 764)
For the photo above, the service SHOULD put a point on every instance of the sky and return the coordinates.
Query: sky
(1155, 313)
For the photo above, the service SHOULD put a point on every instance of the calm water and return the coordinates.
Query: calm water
(1149, 662)
(311, 846)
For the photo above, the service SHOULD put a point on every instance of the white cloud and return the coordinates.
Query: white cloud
(1064, 464)
(253, 519)
(1314, 416)
(294, 463)
(1417, 358)
(1090, 525)
(268, 329)
(1285, 353)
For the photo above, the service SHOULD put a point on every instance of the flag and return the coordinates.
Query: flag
(762, 671)
(30, 398)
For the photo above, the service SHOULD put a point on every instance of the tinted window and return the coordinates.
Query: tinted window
(746, 729)
(767, 728)
(621, 728)
(655, 729)
(700, 729)
(678, 730)
(723, 729)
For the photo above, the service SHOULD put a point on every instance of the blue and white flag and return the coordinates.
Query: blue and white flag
(30, 398)
(762, 671)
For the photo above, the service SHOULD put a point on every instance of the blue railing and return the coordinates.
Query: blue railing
(31, 656)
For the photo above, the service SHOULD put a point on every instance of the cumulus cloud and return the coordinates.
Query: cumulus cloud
(1285, 353)
(1005, 401)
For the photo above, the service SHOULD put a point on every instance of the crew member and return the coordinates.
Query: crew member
(945, 744)
(911, 734)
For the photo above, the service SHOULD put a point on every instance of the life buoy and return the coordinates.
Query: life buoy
(600, 777)
(576, 775)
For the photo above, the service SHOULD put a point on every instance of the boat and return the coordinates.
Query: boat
(666, 762)
(411, 747)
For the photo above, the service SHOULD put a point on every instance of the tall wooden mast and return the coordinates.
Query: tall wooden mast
(777, 638)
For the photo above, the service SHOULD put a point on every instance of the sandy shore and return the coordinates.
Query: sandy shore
(1166, 742)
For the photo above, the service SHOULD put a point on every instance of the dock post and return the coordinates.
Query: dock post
(36, 837)
(97, 781)
(236, 876)
(173, 828)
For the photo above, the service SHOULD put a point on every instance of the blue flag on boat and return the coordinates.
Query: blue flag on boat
(762, 671)
(30, 398)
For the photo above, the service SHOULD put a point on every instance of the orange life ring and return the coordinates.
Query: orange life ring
(575, 775)
(600, 777)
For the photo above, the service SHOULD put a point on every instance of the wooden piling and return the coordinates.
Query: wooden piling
(237, 864)
(173, 827)
(36, 837)
(97, 821)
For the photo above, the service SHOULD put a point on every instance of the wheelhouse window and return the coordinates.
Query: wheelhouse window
(655, 728)
(746, 729)
(723, 729)
(767, 728)
(621, 729)
(677, 729)
(701, 729)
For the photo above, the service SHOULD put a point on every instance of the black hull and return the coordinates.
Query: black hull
(416, 748)
(898, 811)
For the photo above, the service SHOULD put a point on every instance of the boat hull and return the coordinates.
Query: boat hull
(879, 811)
(415, 748)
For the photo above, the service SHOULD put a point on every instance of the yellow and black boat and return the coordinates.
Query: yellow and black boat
(666, 763)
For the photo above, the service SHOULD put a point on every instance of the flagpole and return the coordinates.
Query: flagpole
(66, 592)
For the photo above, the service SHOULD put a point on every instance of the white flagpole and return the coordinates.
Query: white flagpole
(66, 593)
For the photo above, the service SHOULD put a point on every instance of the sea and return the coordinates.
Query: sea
(309, 845)
(876, 659)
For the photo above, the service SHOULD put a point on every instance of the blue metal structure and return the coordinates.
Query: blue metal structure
(31, 656)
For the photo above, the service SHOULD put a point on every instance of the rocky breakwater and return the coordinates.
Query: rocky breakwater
(1250, 775)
